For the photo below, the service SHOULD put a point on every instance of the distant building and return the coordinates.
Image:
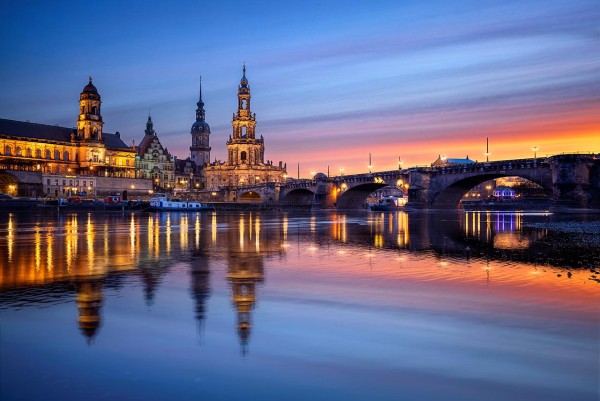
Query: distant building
(504, 192)
(154, 161)
(442, 161)
(245, 163)
(187, 175)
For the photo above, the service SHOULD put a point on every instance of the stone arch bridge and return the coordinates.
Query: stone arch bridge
(570, 180)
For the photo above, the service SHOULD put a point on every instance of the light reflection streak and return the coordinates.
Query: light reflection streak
(183, 231)
(11, 237)
(213, 228)
(168, 234)
(49, 252)
(257, 231)
(90, 234)
(241, 228)
(132, 236)
(38, 249)
(197, 230)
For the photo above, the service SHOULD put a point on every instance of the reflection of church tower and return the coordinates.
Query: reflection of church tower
(243, 147)
(89, 123)
(89, 303)
(200, 151)
(245, 272)
(152, 277)
(200, 289)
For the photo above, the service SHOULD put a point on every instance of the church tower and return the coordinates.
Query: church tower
(200, 151)
(89, 124)
(243, 147)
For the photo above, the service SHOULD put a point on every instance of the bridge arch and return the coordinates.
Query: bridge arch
(450, 196)
(355, 197)
(299, 196)
(250, 196)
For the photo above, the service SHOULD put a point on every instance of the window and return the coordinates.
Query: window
(91, 183)
(48, 181)
(244, 133)
(47, 154)
(95, 157)
(66, 155)
(57, 154)
(18, 151)
(7, 150)
(94, 109)
(38, 153)
(64, 182)
(84, 184)
(29, 153)
(243, 156)
(107, 160)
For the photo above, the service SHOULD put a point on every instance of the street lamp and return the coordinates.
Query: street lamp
(400, 163)
(535, 149)
(341, 171)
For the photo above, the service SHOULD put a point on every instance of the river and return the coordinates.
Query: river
(298, 306)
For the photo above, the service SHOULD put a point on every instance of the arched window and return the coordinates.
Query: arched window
(18, 151)
(38, 153)
(47, 154)
(7, 150)
(243, 156)
(94, 109)
(57, 154)
(29, 152)
(244, 133)
(66, 155)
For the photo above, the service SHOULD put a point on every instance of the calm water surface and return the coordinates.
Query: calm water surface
(322, 306)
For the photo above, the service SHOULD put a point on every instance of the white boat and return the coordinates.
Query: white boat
(161, 203)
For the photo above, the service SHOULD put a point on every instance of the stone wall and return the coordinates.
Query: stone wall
(135, 187)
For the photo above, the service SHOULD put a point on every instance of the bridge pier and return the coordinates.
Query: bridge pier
(572, 181)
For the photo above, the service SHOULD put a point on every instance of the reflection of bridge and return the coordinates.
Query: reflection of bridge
(572, 180)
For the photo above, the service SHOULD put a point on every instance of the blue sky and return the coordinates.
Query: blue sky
(331, 81)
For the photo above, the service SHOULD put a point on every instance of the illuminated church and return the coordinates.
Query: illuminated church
(245, 163)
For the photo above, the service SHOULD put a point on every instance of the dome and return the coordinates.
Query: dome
(90, 88)
(200, 126)
(320, 177)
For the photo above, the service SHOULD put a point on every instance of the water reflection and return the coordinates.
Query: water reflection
(85, 250)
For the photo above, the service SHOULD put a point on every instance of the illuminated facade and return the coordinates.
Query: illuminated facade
(154, 161)
(245, 163)
(82, 151)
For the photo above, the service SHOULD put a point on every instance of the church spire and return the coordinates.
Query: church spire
(149, 126)
(244, 80)
(200, 113)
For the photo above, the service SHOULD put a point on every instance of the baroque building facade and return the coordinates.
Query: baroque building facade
(56, 152)
(245, 163)
(154, 161)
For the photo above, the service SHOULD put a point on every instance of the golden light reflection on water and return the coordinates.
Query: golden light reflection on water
(56, 247)
(90, 237)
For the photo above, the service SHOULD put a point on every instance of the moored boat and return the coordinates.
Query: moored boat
(162, 203)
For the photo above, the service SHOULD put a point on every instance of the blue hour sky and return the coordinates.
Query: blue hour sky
(331, 81)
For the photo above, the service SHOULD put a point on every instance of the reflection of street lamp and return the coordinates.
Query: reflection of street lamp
(535, 149)
(488, 187)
